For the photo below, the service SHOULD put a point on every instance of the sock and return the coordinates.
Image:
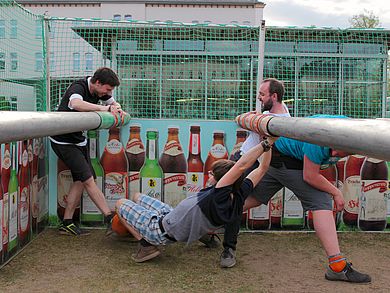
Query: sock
(145, 243)
(67, 222)
(337, 262)
(108, 218)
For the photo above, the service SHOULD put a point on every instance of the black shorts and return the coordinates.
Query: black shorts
(76, 158)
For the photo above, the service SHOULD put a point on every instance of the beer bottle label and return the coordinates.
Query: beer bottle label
(373, 200)
(13, 216)
(152, 187)
(195, 144)
(194, 182)
(115, 187)
(352, 191)
(23, 210)
(65, 181)
(30, 152)
(276, 204)
(259, 213)
(24, 158)
(173, 148)
(6, 163)
(34, 197)
(88, 206)
(36, 147)
(218, 151)
(134, 182)
(292, 207)
(114, 146)
(135, 146)
(5, 217)
(174, 188)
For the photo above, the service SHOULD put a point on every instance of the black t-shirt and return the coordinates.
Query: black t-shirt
(218, 206)
(79, 87)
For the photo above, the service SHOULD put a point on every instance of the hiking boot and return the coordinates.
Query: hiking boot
(210, 240)
(72, 230)
(348, 275)
(228, 258)
(145, 253)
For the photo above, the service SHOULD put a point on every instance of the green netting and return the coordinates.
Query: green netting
(22, 74)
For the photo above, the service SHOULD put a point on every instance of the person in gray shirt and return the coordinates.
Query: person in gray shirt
(155, 223)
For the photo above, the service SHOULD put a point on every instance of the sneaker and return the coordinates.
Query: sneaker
(145, 253)
(210, 240)
(348, 274)
(228, 258)
(72, 230)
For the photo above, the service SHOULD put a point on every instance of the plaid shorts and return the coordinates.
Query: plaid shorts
(144, 217)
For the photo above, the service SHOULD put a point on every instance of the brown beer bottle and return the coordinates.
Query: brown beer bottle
(340, 165)
(373, 199)
(217, 152)
(5, 177)
(352, 189)
(114, 163)
(135, 153)
(194, 162)
(34, 186)
(24, 196)
(174, 166)
(276, 207)
(241, 135)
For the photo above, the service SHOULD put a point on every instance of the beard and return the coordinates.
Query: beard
(267, 106)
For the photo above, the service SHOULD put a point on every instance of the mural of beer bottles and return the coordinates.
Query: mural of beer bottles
(373, 199)
(194, 162)
(352, 189)
(135, 153)
(34, 186)
(115, 167)
(5, 177)
(340, 165)
(293, 216)
(276, 209)
(241, 135)
(43, 193)
(1, 215)
(24, 196)
(217, 152)
(259, 217)
(151, 173)
(174, 166)
(90, 214)
(13, 205)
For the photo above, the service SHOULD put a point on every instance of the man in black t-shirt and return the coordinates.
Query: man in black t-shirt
(83, 96)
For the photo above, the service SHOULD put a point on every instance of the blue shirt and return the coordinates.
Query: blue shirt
(298, 149)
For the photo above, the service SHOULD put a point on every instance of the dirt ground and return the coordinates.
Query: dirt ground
(267, 262)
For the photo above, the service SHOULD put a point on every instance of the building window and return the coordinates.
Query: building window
(117, 17)
(128, 17)
(52, 62)
(14, 61)
(2, 29)
(76, 61)
(38, 29)
(2, 61)
(14, 29)
(88, 61)
(38, 61)
(14, 103)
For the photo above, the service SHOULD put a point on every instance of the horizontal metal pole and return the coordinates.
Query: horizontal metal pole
(19, 125)
(368, 137)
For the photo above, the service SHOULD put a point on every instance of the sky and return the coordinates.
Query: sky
(322, 13)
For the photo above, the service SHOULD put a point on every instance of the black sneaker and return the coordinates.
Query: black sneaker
(228, 258)
(348, 275)
(210, 240)
(72, 230)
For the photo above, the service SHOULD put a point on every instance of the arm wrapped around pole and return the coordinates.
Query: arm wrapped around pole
(255, 122)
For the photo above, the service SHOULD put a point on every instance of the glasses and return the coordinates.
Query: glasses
(211, 173)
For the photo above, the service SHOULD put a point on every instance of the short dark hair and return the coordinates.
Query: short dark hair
(106, 75)
(221, 167)
(275, 87)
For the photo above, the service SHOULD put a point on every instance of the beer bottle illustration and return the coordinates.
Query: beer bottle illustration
(34, 186)
(340, 165)
(217, 152)
(13, 205)
(5, 177)
(259, 217)
(24, 196)
(276, 204)
(174, 166)
(293, 216)
(151, 173)
(135, 152)
(194, 163)
(1, 214)
(43, 193)
(89, 212)
(373, 199)
(352, 189)
(114, 163)
(241, 135)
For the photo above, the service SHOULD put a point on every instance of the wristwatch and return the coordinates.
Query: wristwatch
(266, 145)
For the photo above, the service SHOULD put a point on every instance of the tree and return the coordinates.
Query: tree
(366, 19)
